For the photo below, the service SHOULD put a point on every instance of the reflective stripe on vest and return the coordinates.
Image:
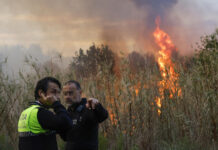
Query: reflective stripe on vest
(28, 122)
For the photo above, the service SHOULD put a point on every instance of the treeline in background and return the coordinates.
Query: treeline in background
(128, 86)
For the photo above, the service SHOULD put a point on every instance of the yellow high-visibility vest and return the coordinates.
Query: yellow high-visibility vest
(28, 124)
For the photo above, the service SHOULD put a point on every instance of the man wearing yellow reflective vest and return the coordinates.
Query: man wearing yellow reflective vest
(37, 126)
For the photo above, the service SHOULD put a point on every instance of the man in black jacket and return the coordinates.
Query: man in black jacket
(86, 114)
(37, 125)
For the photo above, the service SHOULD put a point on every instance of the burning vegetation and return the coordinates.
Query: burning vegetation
(154, 101)
(167, 67)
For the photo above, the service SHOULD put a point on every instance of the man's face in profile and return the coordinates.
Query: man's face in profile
(71, 93)
(53, 91)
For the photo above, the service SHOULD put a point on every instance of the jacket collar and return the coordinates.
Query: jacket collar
(75, 105)
(36, 102)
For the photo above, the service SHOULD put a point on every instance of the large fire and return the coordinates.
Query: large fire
(169, 76)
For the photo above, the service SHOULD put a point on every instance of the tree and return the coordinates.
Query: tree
(94, 60)
(205, 72)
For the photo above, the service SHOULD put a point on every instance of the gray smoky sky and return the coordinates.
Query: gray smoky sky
(155, 8)
(67, 25)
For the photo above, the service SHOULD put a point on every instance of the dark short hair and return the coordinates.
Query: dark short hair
(75, 82)
(43, 85)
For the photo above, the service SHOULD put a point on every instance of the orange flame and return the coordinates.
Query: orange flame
(169, 76)
(112, 116)
(136, 88)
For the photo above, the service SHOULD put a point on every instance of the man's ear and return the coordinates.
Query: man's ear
(40, 92)
(80, 92)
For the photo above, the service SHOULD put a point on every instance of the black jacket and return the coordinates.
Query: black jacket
(59, 122)
(84, 133)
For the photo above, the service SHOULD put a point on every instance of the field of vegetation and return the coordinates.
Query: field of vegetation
(128, 86)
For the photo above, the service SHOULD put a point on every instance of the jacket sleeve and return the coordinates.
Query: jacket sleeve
(101, 113)
(59, 121)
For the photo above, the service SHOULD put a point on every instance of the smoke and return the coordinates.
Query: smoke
(156, 6)
(115, 42)
(153, 9)
(125, 25)
(17, 54)
(66, 25)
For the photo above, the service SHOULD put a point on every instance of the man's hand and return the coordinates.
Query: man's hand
(91, 103)
(49, 99)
